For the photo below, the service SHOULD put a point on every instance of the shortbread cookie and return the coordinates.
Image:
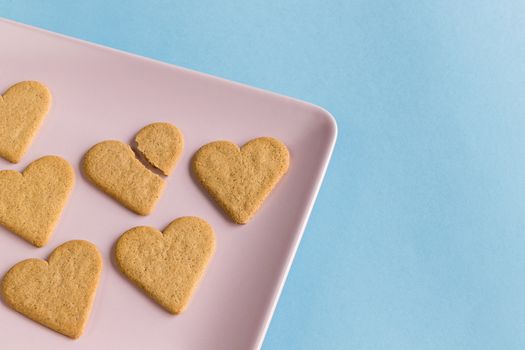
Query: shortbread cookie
(22, 109)
(31, 202)
(57, 293)
(161, 144)
(240, 179)
(112, 166)
(167, 265)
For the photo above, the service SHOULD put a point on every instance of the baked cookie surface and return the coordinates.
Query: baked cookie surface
(23, 107)
(161, 144)
(240, 179)
(113, 168)
(57, 293)
(167, 265)
(32, 201)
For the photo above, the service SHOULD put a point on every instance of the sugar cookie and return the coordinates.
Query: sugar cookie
(23, 107)
(161, 144)
(31, 202)
(167, 265)
(112, 167)
(57, 293)
(240, 179)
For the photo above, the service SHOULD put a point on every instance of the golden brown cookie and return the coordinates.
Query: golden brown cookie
(22, 109)
(161, 144)
(57, 293)
(112, 167)
(31, 202)
(167, 265)
(240, 179)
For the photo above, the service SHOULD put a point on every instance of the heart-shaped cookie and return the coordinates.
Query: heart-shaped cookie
(161, 144)
(31, 202)
(22, 109)
(240, 179)
(113, 167)
(57, 294)
(167, 265)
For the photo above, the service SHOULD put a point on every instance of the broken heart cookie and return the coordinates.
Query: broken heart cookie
(31, 202)
(23, 107)
(57, 293)
(113, 167)
(167, 265)
(240, 179)
(161, 144)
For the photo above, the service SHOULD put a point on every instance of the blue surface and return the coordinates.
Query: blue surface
(417, 240)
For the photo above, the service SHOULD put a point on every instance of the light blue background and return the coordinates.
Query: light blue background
(417, 240)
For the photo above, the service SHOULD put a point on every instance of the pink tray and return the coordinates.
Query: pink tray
(99, 94)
